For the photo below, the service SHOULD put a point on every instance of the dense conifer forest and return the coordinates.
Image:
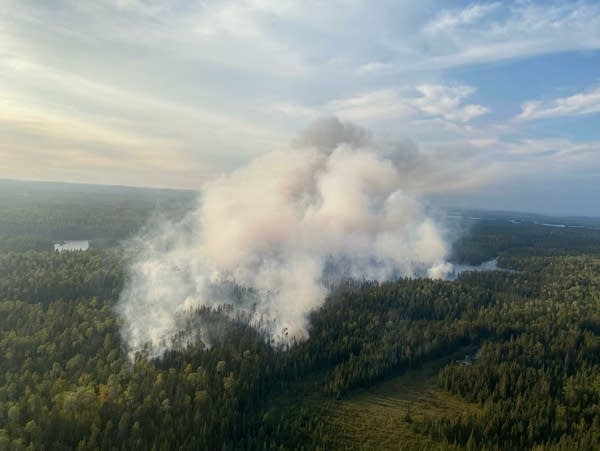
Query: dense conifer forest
(492, 360)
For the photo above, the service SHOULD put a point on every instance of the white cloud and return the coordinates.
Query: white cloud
(446, 101)
(556, 152)
(436, 101)
(586, 102)
(484, 32)
(374, 67)
(297, 111)
(448, 19)
(374, 105)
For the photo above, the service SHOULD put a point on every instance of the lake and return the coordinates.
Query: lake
(72, 245)
(490, 265)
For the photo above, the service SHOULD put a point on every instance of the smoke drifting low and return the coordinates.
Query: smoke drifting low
(332, 206)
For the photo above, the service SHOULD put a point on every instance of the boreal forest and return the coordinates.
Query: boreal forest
(498, 359)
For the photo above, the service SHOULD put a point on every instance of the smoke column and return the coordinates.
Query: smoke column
(330, 206)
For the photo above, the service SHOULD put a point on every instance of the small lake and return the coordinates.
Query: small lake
(72, 245)
(490, 265)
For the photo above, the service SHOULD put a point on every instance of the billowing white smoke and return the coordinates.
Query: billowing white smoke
(287, 225)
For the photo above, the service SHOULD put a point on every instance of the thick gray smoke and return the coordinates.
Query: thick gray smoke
(331, 206)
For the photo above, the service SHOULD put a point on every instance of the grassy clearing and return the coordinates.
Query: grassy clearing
(383, 417)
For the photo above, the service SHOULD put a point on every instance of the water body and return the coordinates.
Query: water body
(72, 245)
(548, 224)
(490, 265)
(566, 226)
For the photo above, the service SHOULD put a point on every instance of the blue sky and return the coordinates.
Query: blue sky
(503, 97)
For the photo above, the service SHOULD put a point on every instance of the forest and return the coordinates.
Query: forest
(493, 360)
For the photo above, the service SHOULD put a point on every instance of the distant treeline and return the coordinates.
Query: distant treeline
(37, 214)
(487, 238)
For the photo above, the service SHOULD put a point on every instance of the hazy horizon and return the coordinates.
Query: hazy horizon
(439, 201)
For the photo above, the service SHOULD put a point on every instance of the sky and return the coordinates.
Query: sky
(504, 96)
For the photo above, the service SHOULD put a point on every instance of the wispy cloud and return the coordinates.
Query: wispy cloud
(487, 32)
(446, 101)
(373, 105)
(375, 67)
(421, 102)
(586, 102)
(450, 19)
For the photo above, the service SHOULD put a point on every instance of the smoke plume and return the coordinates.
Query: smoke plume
(290, 224)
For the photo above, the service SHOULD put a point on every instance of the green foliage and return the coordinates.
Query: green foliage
(382, 368)
(541, 385)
